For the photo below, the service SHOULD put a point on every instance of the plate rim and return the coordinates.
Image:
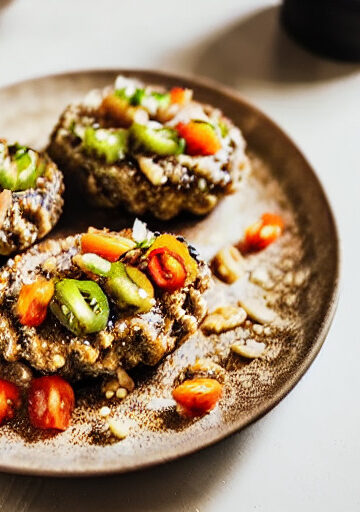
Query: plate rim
(319, 337)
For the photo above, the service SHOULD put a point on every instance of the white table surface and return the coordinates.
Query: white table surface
(305, 454)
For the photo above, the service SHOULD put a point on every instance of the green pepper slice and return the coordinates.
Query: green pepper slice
(108, 144)
(19, 167)
(141, 97)
(93, 263)
(163, 99)
(26, 161)
(8, 172)
(81, 306)
(161, 141)
(128, 286)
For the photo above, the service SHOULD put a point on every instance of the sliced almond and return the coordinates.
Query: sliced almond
(223, 319)
(228, 264)
(154, 172)
(250, 350)
(256, 308)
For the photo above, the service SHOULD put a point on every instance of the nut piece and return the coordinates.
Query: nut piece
(125, 381)
(228, 264)
(251, 350)
(153, 171)
(257, 310)
(224, 319)
(5, 204)
(121, 393)
(120, 386)
(261, 277)
(202, 368)
(117, 428)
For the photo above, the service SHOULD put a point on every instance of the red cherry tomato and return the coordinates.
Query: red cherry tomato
(9, 400)
(200, 137)
(180, 95)
(263, 232)
(166, 269)
(51, 403)
(33, 301)
(196, 397)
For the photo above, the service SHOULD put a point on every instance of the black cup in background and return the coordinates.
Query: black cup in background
(328, 27)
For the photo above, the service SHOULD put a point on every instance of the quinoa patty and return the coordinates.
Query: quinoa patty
(29, 206)
(149, 150)
(129, 336)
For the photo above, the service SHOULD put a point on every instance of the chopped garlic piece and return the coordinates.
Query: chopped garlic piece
(117, 428)
(104, 411)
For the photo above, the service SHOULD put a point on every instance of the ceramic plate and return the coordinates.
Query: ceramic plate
(302, 269)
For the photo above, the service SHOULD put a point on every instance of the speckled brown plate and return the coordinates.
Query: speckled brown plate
(303, 269)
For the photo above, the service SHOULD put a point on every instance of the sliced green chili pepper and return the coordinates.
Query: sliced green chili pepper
(26, 161)
(137, 98)
(146, 244)
(163, 99)
(224, 129)
(90, 262)
(21, 171)
(161, 141)
(8, 172)
(141, 97)
(108, 144)
(81, 306)
(128, 286)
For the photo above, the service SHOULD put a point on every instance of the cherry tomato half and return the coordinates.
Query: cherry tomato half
(263, 232)
(9, 400)
(200, 137)
(33, 301)
(196, 397)
(166, 269)
(51, 403)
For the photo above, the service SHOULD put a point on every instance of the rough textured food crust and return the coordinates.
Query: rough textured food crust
(32, 213)
(194, 184)
(128, 340)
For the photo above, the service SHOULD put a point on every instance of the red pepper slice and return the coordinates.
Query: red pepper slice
(9, 400)
(200, 137)
(108, 246)
(180, 95)
(166, 269)
(262, 233)
(33, 302)
(196, 397)
(51, 403)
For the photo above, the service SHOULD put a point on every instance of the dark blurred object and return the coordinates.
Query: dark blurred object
(328, 27)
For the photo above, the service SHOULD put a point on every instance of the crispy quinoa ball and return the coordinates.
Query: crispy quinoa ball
(149, 150)
(31, 188)
(129, 337)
